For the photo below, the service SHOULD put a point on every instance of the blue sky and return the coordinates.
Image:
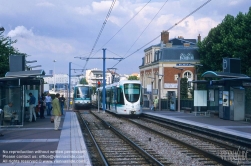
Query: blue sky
(61, 29)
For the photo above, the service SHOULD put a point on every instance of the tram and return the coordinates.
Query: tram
(82, 96)
(122, 98)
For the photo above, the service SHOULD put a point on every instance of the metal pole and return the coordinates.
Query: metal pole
(103, 91)
(159, 95)
(98, 100)
(54, 75)
(151, 95)
(195, 84)
(179, 92)
(69, 86)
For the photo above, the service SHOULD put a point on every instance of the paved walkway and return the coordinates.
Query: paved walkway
(235, 128)
(37, 143)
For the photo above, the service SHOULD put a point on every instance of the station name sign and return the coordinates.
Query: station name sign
(183, 64)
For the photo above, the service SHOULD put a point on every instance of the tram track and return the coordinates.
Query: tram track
(171, 148)
(114, 147)
(222, 152)
(206, 150)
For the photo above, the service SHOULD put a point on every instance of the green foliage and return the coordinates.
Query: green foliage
(133, 78)
(83, 81)
(232, 39)
(183, 88)
(6, 49)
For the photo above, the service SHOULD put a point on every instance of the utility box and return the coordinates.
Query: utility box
(237, 103)
(17, 63)
(232, 65)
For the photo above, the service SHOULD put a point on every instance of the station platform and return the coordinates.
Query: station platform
(235, 128)
(37, 143)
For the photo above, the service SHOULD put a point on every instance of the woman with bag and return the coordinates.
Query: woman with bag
(56, 112)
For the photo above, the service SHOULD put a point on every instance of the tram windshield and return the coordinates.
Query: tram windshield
(132, 92)
(83, 92)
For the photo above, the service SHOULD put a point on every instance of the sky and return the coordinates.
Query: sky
(57, 32)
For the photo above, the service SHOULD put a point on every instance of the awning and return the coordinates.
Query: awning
(223, 75)
(29, 73)
(199, 82)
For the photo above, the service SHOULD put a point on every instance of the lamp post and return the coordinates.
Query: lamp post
(54, 82)
(178, 86)
(160, 77)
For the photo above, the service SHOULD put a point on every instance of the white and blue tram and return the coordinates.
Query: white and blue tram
(82, 96)
(122, 98)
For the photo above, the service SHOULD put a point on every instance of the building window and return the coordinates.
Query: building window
(187, 74)
(188, 56)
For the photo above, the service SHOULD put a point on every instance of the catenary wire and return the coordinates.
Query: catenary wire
(100, 32)
(122, 27)
(166, 30)
(146, 27)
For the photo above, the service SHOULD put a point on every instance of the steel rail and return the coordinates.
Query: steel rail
(94, 141)
(200, 151)
(142, 152)
(232, 138)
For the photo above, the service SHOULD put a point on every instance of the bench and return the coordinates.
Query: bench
(187, 109)
(201, 113)
(247, 117)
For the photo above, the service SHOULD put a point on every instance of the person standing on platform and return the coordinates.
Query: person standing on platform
(42, 105)
(62, 101)
(48, 104)
(56, 112)
(32, 102)
(155, 103)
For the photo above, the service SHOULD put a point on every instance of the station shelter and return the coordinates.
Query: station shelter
(226, 90)
(15, 88)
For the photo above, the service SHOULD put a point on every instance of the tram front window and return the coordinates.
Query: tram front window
(132, 92)
(84, 92)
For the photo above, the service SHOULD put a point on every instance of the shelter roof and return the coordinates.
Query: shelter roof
(216, 74)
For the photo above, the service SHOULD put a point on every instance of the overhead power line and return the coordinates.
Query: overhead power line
(101, 30)
(166, 30)
(123, 26)
(146, 27)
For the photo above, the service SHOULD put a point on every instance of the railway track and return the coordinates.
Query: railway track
(113, 147)
(222, 152)
(205, 150)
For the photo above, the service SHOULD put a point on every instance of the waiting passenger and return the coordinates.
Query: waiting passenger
(8, 112)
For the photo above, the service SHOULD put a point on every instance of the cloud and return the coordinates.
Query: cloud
(28, 40)
(20, 31)
(45, 4)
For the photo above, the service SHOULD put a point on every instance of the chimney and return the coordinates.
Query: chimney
(165, 37)
(199, 38)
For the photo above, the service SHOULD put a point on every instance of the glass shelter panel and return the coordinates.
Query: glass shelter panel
(12, 112)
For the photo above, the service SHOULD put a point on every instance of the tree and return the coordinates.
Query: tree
(133, 78)
(183, 88)
(83, 81)
(6, 49)
(232, 39)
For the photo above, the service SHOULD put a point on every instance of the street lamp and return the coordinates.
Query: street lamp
(54, 75)
(178, 86)
(160, 77)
